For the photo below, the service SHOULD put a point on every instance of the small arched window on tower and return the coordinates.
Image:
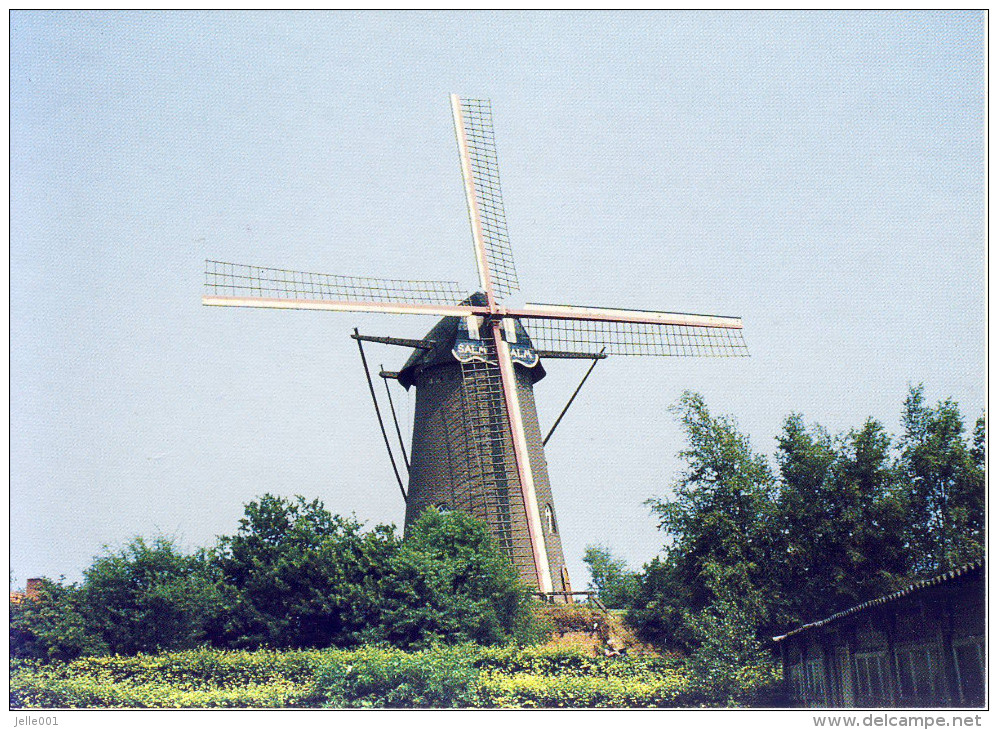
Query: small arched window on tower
(442, 508)
(549, 519)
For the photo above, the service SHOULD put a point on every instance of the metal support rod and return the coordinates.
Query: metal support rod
(565, 409)
(370, 385)
(400, 341)
(405, 456)
(564, 355)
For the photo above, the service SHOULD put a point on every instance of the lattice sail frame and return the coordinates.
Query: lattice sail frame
(635, 338)
(480, 167)
(224, 279)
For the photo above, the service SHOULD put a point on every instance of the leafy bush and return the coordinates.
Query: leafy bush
(536, 690)
(52, 625)
(372, 677)
(295, 576)
(145, 597)
(452, 585)
(149, 597)
(562, 677)
(200, 668)
(563, 661)
(538, 660)
(87, 692)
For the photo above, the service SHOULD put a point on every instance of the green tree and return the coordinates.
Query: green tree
(52, 625)
(657, 609)
(145, 597)
(843, 518)
(614, 584)
(149, 597)
(806, 518)
(725, 633)
(721, 513)
(944, 477)
(295, 576)
(978, 451)
(451, 584)
(870, 530)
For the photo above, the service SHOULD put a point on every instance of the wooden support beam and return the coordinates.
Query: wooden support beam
(329, 305)
(521, 453)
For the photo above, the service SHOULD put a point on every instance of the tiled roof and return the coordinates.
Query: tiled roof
(920, 585)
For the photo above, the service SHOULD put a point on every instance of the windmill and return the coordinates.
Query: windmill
(476, 443)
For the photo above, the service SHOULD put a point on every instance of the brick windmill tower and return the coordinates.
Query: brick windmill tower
(476, 443)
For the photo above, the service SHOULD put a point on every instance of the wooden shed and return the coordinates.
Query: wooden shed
(923, 646)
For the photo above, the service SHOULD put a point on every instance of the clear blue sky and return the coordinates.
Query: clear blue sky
(819, 174)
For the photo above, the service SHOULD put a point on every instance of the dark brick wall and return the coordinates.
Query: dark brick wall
(440, 474)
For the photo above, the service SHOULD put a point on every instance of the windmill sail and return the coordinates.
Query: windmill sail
(241, 285)
(480, 168)
(562, 328)
(629, 338)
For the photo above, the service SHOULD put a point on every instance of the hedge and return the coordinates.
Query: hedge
(463, 676)
(198, 678)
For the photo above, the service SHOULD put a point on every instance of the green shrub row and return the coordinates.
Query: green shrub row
(199, 668)
(535, 690)
(218, 667)
(461, 676)
(91, 692)
(551, 660)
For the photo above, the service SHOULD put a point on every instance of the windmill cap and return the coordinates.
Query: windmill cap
(445, 334)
